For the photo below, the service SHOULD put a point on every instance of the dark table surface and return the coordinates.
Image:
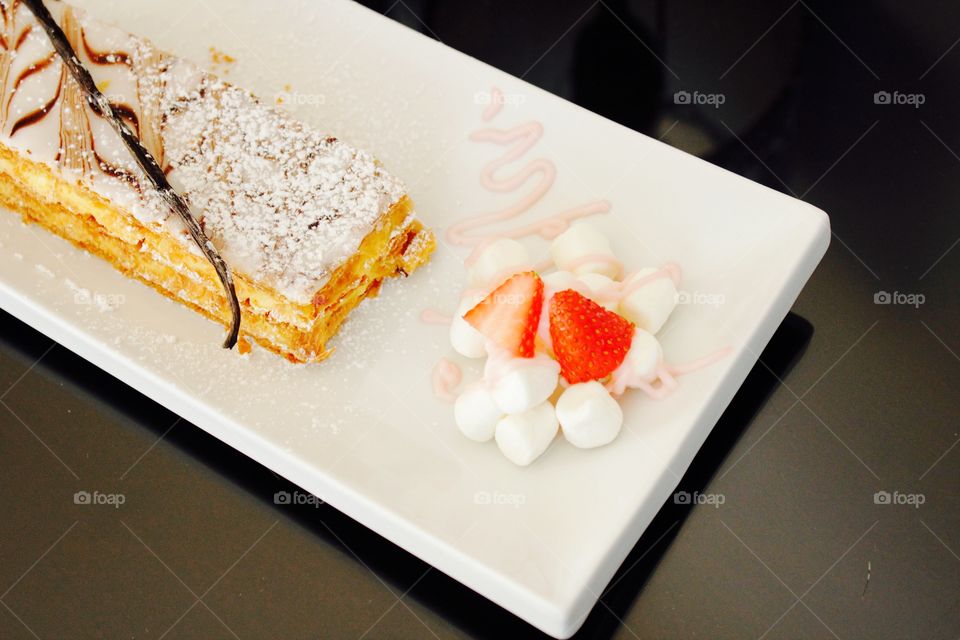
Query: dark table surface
(851, 398)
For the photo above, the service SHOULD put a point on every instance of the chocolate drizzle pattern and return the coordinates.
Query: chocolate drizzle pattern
(284, 203)
(83, 82)
(38, 114)
(77, 149)
(36, 67)
(103, 57)
(23, 36)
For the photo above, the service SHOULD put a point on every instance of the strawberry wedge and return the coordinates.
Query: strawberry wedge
(589, 341)
(510, 314)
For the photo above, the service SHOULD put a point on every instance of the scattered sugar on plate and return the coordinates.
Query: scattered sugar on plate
(44, 271)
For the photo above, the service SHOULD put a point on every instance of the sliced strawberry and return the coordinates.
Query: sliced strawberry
(588, 341)
(510, 314)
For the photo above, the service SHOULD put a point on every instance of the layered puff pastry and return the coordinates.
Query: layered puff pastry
(309, 225)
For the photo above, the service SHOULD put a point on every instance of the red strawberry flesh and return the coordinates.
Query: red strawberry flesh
(589, 341)
(510, 314)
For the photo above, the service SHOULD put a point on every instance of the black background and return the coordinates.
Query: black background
(850, 398)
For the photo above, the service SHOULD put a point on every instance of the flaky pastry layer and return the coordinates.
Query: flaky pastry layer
(397, 245)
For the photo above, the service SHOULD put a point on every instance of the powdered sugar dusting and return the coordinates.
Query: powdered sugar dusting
(44, 271)
(283, 203)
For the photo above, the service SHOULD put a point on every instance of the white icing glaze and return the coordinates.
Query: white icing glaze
(283, 203)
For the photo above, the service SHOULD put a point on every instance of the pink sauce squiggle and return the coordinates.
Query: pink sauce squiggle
(496, 103)
(446, 378)
(666, 375)
(622, 290)
(698, 364)
(524, 137)
(519, 141)
(547, 228)
(603, 258)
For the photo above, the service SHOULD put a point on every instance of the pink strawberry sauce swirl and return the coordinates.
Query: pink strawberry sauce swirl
(602, 258)
(619, 291)
(496, 103)
(446, 378)
(518, 141)
(664, 381)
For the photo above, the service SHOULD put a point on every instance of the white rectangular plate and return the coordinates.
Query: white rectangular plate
(363, 430)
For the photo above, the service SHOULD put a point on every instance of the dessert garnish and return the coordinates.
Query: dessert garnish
(563, 346)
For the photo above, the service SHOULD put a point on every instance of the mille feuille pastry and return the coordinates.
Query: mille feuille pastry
(308, 225)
